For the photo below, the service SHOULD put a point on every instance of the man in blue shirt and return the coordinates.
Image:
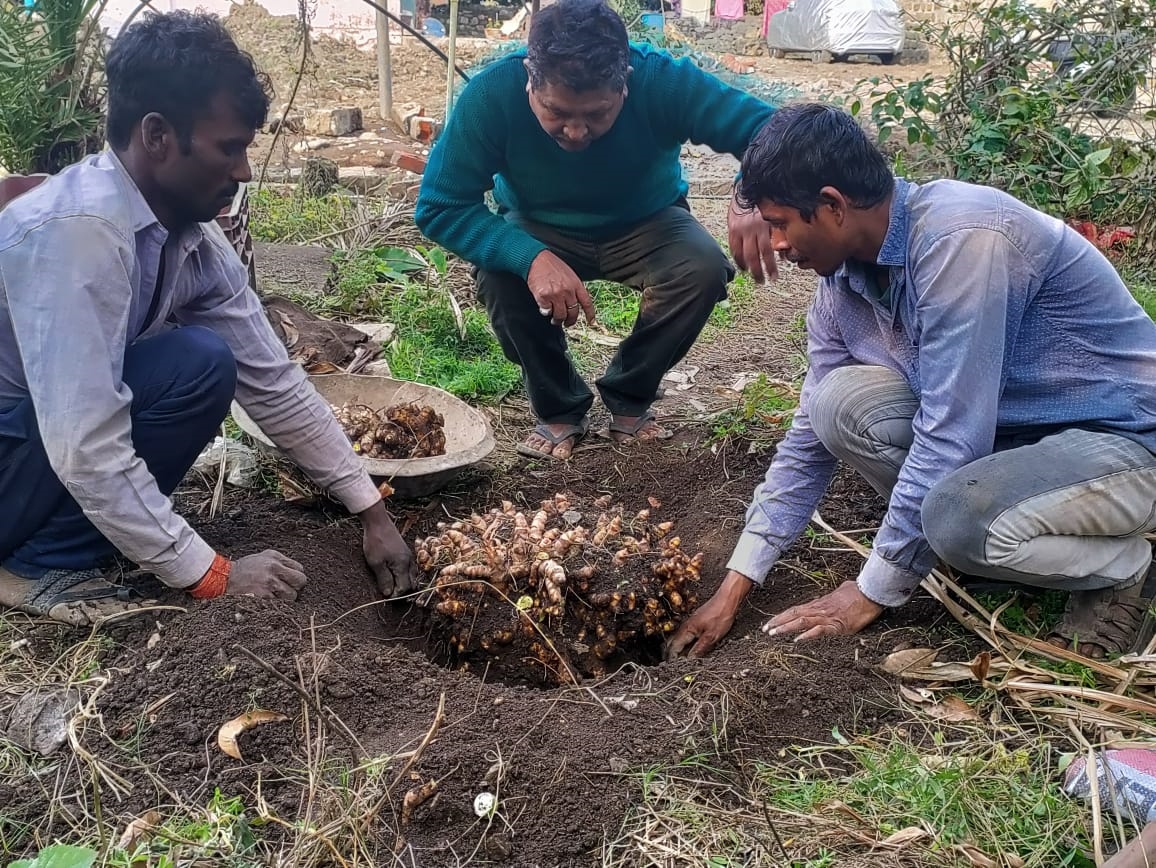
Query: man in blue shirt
(128, 327)
(980, 364)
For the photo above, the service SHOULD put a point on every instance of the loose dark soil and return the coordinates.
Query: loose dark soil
(376, 665)
(559, 758)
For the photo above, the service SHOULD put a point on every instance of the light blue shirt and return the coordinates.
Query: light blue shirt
(79, 258)
(1002, 320)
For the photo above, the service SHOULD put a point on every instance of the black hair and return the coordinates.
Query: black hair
(174, 64)
(581, 44)
(808, 146)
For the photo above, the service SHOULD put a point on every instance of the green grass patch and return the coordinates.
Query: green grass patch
(765, 408)
(740, 294)
(1145, 293)
(1031, 614)
(617, 304)
(291, 218)
(1140, 278)
(973, 791)
(955, 788)
(1035, 615)
(436, 343)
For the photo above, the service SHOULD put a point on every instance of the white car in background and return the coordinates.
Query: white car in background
(836, 29)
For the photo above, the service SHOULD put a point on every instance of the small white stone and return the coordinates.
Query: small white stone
(484, 804)
(377, 368)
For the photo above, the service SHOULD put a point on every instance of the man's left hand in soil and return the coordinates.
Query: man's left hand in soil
(128, 327)
(844, 610)
(387, 554)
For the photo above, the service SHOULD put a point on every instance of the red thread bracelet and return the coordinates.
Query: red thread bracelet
(214, 582)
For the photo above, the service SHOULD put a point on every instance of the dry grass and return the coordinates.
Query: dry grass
(348, 808)
(1040, 678)
(918, 796)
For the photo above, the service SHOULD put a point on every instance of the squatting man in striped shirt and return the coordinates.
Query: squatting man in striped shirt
(980, 364)
(127, 326)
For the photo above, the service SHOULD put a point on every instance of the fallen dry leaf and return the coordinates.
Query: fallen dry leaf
(292, 335)
(947, 672)
(385, 490)
(322, 367)
(139, 830)
(903, 662)
(293, 492)
(227, 734)
(953, 710)
(981, 665)
(39, 720)
(976, 857)
(919, 664)
(903, 837)
(918, 695)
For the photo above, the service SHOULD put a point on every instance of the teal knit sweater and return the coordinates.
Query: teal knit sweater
(493, 141)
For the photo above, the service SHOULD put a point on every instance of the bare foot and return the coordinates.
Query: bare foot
(651, 430)
(561, 450)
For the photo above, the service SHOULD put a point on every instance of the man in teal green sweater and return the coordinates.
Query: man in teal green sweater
(579, 137)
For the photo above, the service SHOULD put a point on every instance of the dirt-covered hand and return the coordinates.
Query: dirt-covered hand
(387, 553)
(558, 291)
(842, 612)
(749, 236)
(269, 574)
(712, 621)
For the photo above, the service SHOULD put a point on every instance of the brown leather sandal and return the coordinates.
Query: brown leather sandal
(1101, 623)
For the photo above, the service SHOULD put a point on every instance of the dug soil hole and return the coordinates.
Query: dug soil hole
(558, 752)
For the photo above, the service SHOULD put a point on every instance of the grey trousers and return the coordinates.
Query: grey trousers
(1066, 511)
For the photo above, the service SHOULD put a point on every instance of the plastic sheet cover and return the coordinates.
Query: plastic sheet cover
(838, 26)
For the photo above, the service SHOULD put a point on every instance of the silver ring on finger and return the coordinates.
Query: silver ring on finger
(545, 311)
(572, 306)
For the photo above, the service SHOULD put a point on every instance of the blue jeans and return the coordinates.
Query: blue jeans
(182, 382)
(1063, 509)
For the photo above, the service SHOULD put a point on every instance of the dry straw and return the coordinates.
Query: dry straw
(1122, 704)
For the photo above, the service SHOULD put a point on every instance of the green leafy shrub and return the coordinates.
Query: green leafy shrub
(1034, 103)
(51, 96)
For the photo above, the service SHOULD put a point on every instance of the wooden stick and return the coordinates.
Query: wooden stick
(321, 710)
(414, 756)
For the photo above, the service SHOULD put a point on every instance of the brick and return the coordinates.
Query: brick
(409, 162)
(424, 129)
(415, 123)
